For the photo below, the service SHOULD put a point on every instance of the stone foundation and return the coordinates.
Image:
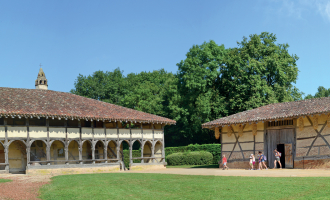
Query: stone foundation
(64, 171)
(137, 167)
(312, 164)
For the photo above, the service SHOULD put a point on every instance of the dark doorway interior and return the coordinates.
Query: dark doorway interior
(280, 148)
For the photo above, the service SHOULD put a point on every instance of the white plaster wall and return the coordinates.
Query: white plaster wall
(226, 139)
(99, 133)
(73, 133)
(136, 133)
(111, 133)
(38, 132)
(124, 133)
(147, 133)
(246, 137)
(86, 132)
(17, 132)
(57, 132)
(260, 136)
(227, 147)
(247, 146)
(2, 132)
(158, 134)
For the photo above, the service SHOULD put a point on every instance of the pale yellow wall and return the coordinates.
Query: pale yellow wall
(73, 133)
(2, 132)
(86, 150)
(158, 151)
(147, 152)
(260, 136)
(136, 133)
(86, 132)
(227, 147)
(111, 133)
(99, 133)
(124, 133)
(147, 133)
(112, 145)
(228, 139)
(247, 146)
(246, 137)
(57, 132)
(17, 160)
(17, 132)
(73, 151)
(38, 132)
(158, 134)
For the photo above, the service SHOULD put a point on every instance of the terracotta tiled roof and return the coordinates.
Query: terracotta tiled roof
(47, 103)
(276, 111)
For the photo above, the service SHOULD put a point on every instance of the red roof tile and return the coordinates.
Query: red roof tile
(276, 111)
(48, 103)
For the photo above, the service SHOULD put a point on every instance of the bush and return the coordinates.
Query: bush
(190, 158)
(214, 149)
(135, 154)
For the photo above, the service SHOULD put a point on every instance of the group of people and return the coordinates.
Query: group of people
(261, 160)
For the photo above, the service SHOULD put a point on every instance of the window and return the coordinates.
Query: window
(60, 153)
(280, 123)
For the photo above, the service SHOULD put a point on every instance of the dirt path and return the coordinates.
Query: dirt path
(242, 172)
(21, 186)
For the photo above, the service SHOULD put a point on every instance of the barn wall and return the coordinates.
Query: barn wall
(312, 146)
(238, 149)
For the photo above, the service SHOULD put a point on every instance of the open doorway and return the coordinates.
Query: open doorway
(281, 149)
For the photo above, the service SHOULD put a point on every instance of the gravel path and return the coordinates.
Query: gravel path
(21, 186)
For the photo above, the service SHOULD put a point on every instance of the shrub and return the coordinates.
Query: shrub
(190, 158)
(214, 149)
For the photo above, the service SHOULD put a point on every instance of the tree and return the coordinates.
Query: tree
(321, 92)
(215, 82)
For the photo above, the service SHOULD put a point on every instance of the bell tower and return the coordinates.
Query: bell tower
(41, 82)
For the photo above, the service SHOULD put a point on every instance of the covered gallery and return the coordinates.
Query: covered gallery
(300, 130)
(51, 132)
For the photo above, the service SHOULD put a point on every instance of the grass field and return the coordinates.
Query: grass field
(169, 186)
(4, 180)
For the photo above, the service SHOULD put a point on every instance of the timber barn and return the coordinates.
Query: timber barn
(49, 132)
(300, 130)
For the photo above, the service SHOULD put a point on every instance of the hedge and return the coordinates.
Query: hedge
(214, 149)
(190, 158)
(135, 154)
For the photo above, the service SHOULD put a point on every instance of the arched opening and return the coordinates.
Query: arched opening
(99, 151)
(147, 151)
(112, 151)
(38, 152)
(45, 82)
(40, 81)
(73, 152)
(17, 157)
(87, 152)
(124, 153)
(2, 157)
(57, 153)
(158, 151)
(136, 152)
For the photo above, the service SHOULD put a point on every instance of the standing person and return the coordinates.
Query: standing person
(224, 162)
(252, 161)
(277, 158)
(260, 160)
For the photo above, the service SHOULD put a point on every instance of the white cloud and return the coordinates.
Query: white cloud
(324, 9)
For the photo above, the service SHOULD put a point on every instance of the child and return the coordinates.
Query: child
(224, 162)
(252, 161)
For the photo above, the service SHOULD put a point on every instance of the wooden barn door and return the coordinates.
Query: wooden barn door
(272, 140)
(288, 156)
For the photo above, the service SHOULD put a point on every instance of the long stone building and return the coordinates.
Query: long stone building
(49, 132)
(300, 130)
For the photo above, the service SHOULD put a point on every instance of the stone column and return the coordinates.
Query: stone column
(66, 149)
(153, 145)
(142, 147)
(130, 152)
(80, 153)
(93, 152)
(6, 149)
(48, 153)
(105, 153)
(163, 148)
(28, 155)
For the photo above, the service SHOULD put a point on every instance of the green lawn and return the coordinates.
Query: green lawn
(193, 166)
(4, 180)
(169, 186)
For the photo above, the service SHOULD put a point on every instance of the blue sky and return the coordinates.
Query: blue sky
(79, 37)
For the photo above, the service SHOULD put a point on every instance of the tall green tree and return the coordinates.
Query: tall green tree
(321, 92)
(216, 82)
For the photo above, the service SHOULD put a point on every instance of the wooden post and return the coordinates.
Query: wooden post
(142, 144)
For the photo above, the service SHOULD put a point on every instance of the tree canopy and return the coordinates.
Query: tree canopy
(321, 92)
(211, 82)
